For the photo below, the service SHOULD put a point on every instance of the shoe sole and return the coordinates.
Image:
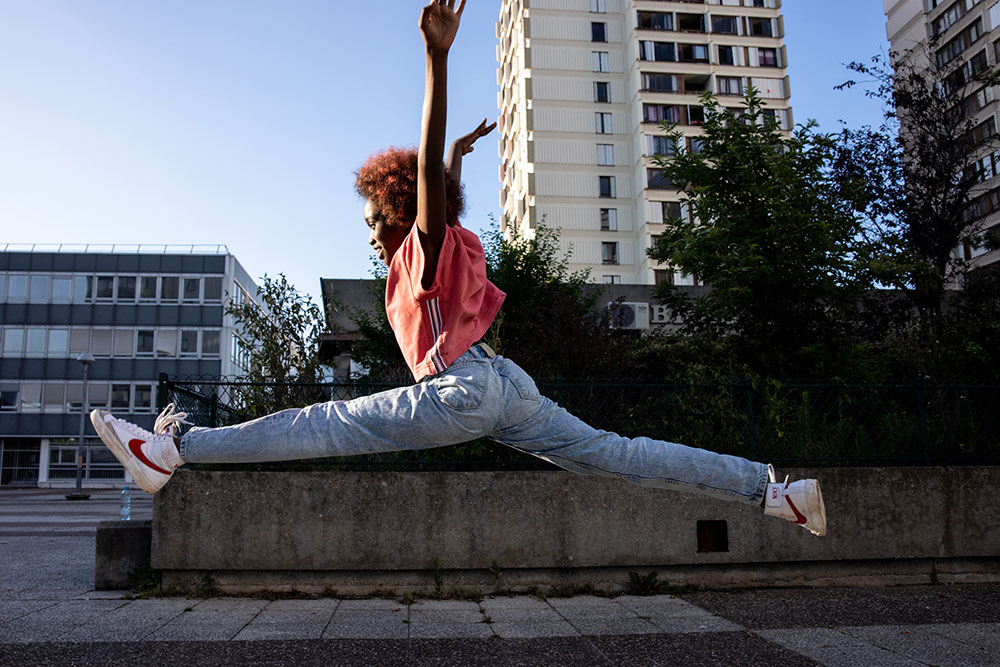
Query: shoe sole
(816, 507)
(124, 456)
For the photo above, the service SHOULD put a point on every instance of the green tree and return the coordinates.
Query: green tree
(280, 336)
(920, 178)
(769, 235)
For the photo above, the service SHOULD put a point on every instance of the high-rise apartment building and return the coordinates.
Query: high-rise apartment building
(966, 32)
(585, 85)
(138, 311)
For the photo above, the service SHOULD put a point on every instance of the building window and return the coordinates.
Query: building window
(83, 289)
(605, 155)
(656, 180)
(602, 91)
(609, 252)
(611, 280)
(97, 395)
(598, 32)
(662, 83)
(121, 396)
(694, 53)
(166, 343)
(105, 288)
(192, 289)
(656, 113)
(147, 288)
(691, 22)
(39, 289)
(34, 342)
(727, 55)
(607, 187)
(660, 145)
(767, 57)
(761, 27)
(656, 21)
(696, 144)
(671, 210)
(74, 396)
(662, 276)
(143, 397)
(144, 342)
(101, 343)
(31, 397)
(79, 341)
(9, 392)
(58, 343)
(598, 6)
(729, 85)
(726, 25)
(603, 122)
(126, 288)
(210, 343)
(657, 51)
(609, 220)
(17, 288)
(62, 289)
(13, 341)
(189, 342)
(124, 342)
(600, 61)
(169, 288)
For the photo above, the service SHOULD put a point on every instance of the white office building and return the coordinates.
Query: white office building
(966, 31)
(585, 85)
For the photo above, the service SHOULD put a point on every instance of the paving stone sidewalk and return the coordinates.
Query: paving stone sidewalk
(50, 614)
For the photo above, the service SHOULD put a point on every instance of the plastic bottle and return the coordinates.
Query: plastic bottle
(126, 511)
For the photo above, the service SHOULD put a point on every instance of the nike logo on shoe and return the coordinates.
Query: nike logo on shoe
(799, 517)
(135, 446)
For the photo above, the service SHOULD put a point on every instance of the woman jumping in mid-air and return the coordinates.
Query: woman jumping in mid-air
(440, 304)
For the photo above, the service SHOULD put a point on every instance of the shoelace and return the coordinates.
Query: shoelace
(770, 473)
(169, 421)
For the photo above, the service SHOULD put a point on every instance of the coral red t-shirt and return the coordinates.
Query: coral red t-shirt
(436, 326)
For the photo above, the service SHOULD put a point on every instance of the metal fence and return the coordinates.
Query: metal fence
(785, 423)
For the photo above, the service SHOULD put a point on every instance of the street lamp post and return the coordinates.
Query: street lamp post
(85, 358)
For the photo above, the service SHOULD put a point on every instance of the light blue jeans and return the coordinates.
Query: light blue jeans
(478, 396)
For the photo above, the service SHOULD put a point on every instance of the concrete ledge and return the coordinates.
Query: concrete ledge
(359, 533)
(459, 583)
(123, 547)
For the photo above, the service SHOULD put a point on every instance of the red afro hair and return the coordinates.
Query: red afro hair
(389, 180)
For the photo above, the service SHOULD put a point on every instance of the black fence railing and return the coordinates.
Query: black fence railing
(785, 423)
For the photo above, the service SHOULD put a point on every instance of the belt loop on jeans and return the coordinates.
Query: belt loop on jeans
(487, 350)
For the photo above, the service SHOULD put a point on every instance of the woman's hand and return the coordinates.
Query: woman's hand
(463, 146)
(465, 143)
(439, 24)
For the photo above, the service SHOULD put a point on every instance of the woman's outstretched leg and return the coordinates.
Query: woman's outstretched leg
(457, 406)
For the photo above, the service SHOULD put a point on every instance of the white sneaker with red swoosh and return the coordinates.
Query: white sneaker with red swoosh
(150, 458)
(800, 502)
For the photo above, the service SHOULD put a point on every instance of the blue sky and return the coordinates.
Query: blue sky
(242, 121)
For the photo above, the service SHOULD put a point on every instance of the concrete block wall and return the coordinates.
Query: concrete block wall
(357, 532)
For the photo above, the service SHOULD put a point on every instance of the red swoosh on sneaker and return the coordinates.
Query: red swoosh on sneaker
(800, 518)
(135, 446)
